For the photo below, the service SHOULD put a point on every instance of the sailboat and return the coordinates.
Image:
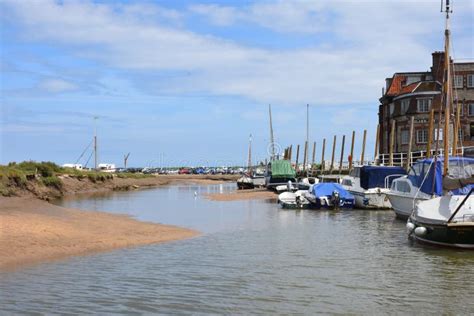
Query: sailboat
(447, 220)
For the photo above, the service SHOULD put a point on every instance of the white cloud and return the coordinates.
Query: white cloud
(364, 42)
(56, 85)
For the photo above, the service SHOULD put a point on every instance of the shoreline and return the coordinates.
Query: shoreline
(34, 231)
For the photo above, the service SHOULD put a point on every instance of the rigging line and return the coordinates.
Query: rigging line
(84, 151)
(421, 185)
(88, 159)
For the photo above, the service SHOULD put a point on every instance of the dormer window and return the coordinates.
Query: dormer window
(423, 105)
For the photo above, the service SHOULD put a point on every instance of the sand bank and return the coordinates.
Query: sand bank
(34, 231)
(256, 194)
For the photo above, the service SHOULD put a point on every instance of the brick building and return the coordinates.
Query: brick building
(414, 94)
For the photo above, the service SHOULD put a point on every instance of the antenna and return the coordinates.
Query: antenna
(447, 9)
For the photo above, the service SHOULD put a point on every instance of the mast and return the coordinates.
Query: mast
(95, 143)
(250, 155)
(272, 141)
(447, 90)
(307, 137)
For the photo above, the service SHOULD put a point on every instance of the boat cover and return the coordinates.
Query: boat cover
(327, 188)
(282, 169)
(374, 176)
(430, 179)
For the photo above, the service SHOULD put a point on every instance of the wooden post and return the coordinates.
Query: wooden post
(376, 152)
(352, 151)
(392, 143)
(362, 156)
(430, 133)
(305, 155)
(290, 152)
(342, 153)
(314, 155)
(333, 153)
(322, 156)
(456, 131)
(410, 143)
(297, 156)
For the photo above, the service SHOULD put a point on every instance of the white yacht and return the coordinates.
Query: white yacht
(370, 185)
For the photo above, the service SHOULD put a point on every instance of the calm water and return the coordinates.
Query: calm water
(252, 258)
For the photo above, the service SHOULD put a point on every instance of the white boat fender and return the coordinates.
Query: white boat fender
(410, 228)
(420, 231)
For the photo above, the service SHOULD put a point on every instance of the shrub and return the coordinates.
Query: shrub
(52, 181)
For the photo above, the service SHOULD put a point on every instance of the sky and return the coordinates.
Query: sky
(186, 82)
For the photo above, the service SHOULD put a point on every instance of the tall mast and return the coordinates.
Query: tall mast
(447, 90)
(272, 141)
(250, 155)
(95, 143)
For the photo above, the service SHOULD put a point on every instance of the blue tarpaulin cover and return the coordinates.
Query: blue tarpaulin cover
(326, 189)
(374, 176)
(459, 167)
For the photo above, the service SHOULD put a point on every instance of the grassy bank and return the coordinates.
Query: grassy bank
(34, 177)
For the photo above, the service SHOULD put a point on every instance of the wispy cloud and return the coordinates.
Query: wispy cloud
(56, 85)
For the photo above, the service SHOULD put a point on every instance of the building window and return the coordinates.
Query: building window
(458, 81)
(470, 81)
(470, 109)
(404, 106)
(435, 136)
(392, 107)
(405, 135)
(423, 105)
(460, 135)
(422, 136)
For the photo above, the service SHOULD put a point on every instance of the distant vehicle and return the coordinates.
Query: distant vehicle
(184, 171)
(73, 166)
(199, 170)
(106, 167)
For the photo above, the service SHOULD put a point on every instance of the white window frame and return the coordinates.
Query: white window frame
(405, 136)
(458, 81)
(470, 81)
(421, 136)
(404, 105)
(423, 107)
(435, 133)
(470, 109)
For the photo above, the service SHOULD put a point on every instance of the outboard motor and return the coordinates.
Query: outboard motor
(289, 186)
(335, 200)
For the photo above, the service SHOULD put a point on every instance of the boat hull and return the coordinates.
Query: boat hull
(367, 200)
(403, 205)
(459, 235)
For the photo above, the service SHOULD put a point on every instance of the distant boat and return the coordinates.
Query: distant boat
(279, 172)
(370, 185)
(319, 196)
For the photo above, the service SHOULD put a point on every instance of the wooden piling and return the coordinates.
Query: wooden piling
(410, 143)
(333, 153)
(376, 152)
(314, 155)
(297, 156)
(430, 133)
(392, 143)
(290, 152)
(352, 151)
(362, 156)
(456, 130)
(342, 153)
(322, 155)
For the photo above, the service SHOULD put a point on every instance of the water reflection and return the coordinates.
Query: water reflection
(253, 258)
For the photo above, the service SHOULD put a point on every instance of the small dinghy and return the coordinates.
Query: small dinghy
(294, 199)
(329, 196)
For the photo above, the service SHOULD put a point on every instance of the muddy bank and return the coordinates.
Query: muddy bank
(34, 231)
(255, 194)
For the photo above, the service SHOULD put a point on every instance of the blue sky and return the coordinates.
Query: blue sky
(186, 82)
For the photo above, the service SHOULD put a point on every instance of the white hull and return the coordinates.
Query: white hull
(403, 205)
(371, 200)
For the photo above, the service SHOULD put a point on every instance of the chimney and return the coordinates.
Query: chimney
(438, 66)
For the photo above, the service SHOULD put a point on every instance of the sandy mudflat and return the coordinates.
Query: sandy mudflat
(32, 231)
(256, 194)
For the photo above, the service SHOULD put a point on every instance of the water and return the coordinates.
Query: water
(252, 258)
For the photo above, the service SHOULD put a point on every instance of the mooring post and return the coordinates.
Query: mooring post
(297, 156)
(362, 156)
(342, 153)
(392, 142)
(430, 133)
(352, 151)
(290, 153)
(376, 152)
(322, 156)
(314, 156)
(305, 155)
(333, 153)
(410, 143)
